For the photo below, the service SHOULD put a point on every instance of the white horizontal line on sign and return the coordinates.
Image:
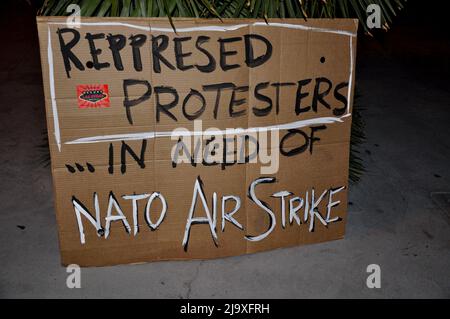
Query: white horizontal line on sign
(230, 131)
(216, 28)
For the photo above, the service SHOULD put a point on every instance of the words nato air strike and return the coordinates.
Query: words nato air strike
(292, 209)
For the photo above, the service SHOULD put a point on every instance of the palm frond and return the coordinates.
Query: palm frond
(229, 9)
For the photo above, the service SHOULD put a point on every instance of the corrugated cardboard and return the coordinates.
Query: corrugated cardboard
(90, 132)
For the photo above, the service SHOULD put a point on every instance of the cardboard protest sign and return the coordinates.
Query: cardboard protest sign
(222, 138)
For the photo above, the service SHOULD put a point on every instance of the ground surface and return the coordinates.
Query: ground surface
(393, 220)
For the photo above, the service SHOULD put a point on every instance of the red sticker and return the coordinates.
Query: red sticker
(93, 95)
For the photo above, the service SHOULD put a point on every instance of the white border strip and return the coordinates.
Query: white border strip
(137, 136)
(350, 78)
(52, 91)
(228, 131)
(215, 28)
